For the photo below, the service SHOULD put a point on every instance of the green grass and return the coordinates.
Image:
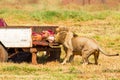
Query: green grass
(57, 71)
(56, 16)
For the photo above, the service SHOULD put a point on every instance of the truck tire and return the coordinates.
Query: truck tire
(3, 54)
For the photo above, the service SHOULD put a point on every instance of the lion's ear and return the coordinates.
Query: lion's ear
(68, 40)
(62, 29)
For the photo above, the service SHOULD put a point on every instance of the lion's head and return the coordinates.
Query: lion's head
(62, 29)
(60, 37)
(64, 34)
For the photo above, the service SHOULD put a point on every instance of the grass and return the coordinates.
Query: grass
(56, 71)
(41, 13)
(53, 11)
(16, 16)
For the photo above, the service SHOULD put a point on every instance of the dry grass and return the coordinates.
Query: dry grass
(108, 69)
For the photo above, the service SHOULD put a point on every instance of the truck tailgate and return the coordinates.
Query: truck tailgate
(16, 37)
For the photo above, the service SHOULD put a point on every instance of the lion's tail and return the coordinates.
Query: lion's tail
(101, 50)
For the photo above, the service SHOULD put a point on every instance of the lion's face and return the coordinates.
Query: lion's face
(60, 36)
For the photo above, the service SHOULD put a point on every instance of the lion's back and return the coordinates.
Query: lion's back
(84, 42)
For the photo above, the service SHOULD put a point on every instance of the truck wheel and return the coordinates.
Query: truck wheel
(3, 54)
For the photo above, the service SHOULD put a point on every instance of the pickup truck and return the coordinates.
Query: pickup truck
(14, 39)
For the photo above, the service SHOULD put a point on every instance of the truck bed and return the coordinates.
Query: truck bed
(21, 36)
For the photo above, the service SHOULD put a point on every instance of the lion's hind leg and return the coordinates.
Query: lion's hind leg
(85, 58)
(86, 54)
(96, 56)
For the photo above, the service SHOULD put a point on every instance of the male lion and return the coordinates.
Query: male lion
(76, 45)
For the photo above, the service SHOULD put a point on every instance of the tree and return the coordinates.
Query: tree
(84, 1)
(103, 1)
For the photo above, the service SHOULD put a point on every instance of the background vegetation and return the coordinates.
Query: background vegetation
(100, 21)
(40, 12)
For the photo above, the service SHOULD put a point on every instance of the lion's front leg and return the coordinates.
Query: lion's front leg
(68, 54)
(71, 58)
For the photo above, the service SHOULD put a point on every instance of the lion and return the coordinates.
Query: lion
(78, 45)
